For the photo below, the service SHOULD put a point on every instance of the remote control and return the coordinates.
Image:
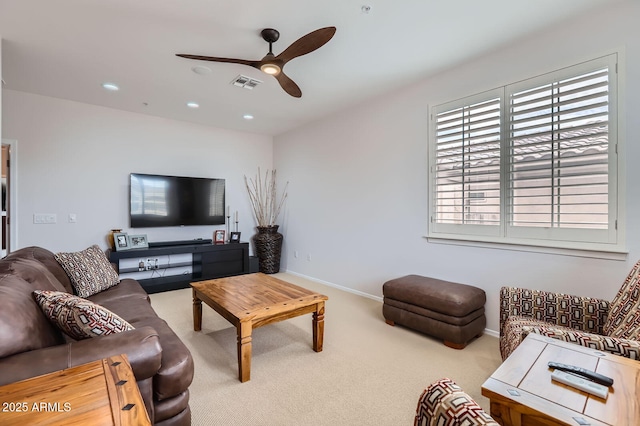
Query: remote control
(579, 371)
(580, 383)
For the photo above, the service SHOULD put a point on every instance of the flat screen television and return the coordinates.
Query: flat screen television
(157, 201)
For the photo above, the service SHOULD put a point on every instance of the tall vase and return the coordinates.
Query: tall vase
(268, 244)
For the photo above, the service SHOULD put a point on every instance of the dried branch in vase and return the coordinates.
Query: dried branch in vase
(264, 197)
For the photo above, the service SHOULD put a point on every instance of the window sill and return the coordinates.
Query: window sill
(608, 254)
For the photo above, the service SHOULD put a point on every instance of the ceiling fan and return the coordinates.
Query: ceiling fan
(273, 65)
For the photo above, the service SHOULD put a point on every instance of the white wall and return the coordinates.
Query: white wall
(76, 158)
(358, 180)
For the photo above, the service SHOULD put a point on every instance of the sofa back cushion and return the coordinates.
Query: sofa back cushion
(623, 321)
(46, 259)
(31, 271)
(23, 326)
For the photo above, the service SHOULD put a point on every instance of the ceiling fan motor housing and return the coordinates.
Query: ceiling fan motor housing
(270, 35)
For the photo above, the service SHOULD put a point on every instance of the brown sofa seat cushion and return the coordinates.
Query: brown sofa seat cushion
(436, 295)
(23, 326)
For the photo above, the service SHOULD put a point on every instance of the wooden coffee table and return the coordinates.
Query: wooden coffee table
(521, 390)
(101, 392)
(251, 301)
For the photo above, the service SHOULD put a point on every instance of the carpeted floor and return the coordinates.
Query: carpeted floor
(369, 373)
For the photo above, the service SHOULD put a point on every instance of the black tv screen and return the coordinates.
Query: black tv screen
(157, 200)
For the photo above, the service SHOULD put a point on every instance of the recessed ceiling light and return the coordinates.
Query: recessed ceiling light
(248, 117)
(193, 105)
(201, 70)
(110, 86)
(366, 8)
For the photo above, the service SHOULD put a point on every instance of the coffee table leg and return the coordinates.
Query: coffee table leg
(318, 327)
(197, 312)
(244, 351)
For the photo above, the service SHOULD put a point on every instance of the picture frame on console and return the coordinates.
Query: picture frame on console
(121, 241)
(138, 241)
(234, 237)
(218, 236)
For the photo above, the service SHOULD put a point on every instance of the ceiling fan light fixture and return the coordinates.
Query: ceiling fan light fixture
(271, 69)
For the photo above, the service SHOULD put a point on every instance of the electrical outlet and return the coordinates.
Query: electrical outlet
(295, 254)
(308, 258)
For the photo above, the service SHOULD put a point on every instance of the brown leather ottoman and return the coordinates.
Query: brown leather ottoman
(449, 311)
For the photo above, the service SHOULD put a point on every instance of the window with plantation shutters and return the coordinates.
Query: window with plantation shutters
(467, 164)
(532, 163)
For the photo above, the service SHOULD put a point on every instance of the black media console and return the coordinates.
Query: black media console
(171, 267)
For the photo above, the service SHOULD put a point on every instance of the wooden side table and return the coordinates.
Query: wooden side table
(521, 390)
(102, 392)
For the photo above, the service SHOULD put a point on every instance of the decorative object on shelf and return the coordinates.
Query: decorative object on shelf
(228, 222)
(266, 208)
(110, 238)
(218, 236)
(138, 241)
(121, 241)
(234, 237)
(236, 221)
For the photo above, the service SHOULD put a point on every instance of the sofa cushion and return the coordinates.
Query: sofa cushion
(46, 259)
(623, 321)
(23, 326)
(78, 317)
(31, 271)
(89, 270)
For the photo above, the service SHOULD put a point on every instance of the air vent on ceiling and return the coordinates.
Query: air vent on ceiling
(246, 82)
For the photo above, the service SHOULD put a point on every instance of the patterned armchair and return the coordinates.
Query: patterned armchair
(445, 403)
(599, 324)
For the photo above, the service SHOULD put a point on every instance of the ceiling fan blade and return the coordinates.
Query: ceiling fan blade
(307, 44)
(255, 64)
(288, 85)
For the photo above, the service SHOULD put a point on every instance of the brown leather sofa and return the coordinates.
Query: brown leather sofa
(30, 345)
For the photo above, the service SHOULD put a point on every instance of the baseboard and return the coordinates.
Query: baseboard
(488, 331)
(330, 284)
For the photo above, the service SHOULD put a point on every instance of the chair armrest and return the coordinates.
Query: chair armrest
(444, 402)
(141, 346)
(582, 313)
(612, 345)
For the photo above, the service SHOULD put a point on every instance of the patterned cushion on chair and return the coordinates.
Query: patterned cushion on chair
(517, 328)
(444, 403)
(624, 312)
(78, 317)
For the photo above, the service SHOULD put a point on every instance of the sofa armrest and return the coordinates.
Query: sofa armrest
(581, 313)
(444, 402)
(141, 346)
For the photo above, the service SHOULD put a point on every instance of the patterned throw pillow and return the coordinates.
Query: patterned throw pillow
(89, 270)
(78, 317)
(623, 321)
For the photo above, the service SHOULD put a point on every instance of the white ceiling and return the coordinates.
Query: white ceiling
(68, 48)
